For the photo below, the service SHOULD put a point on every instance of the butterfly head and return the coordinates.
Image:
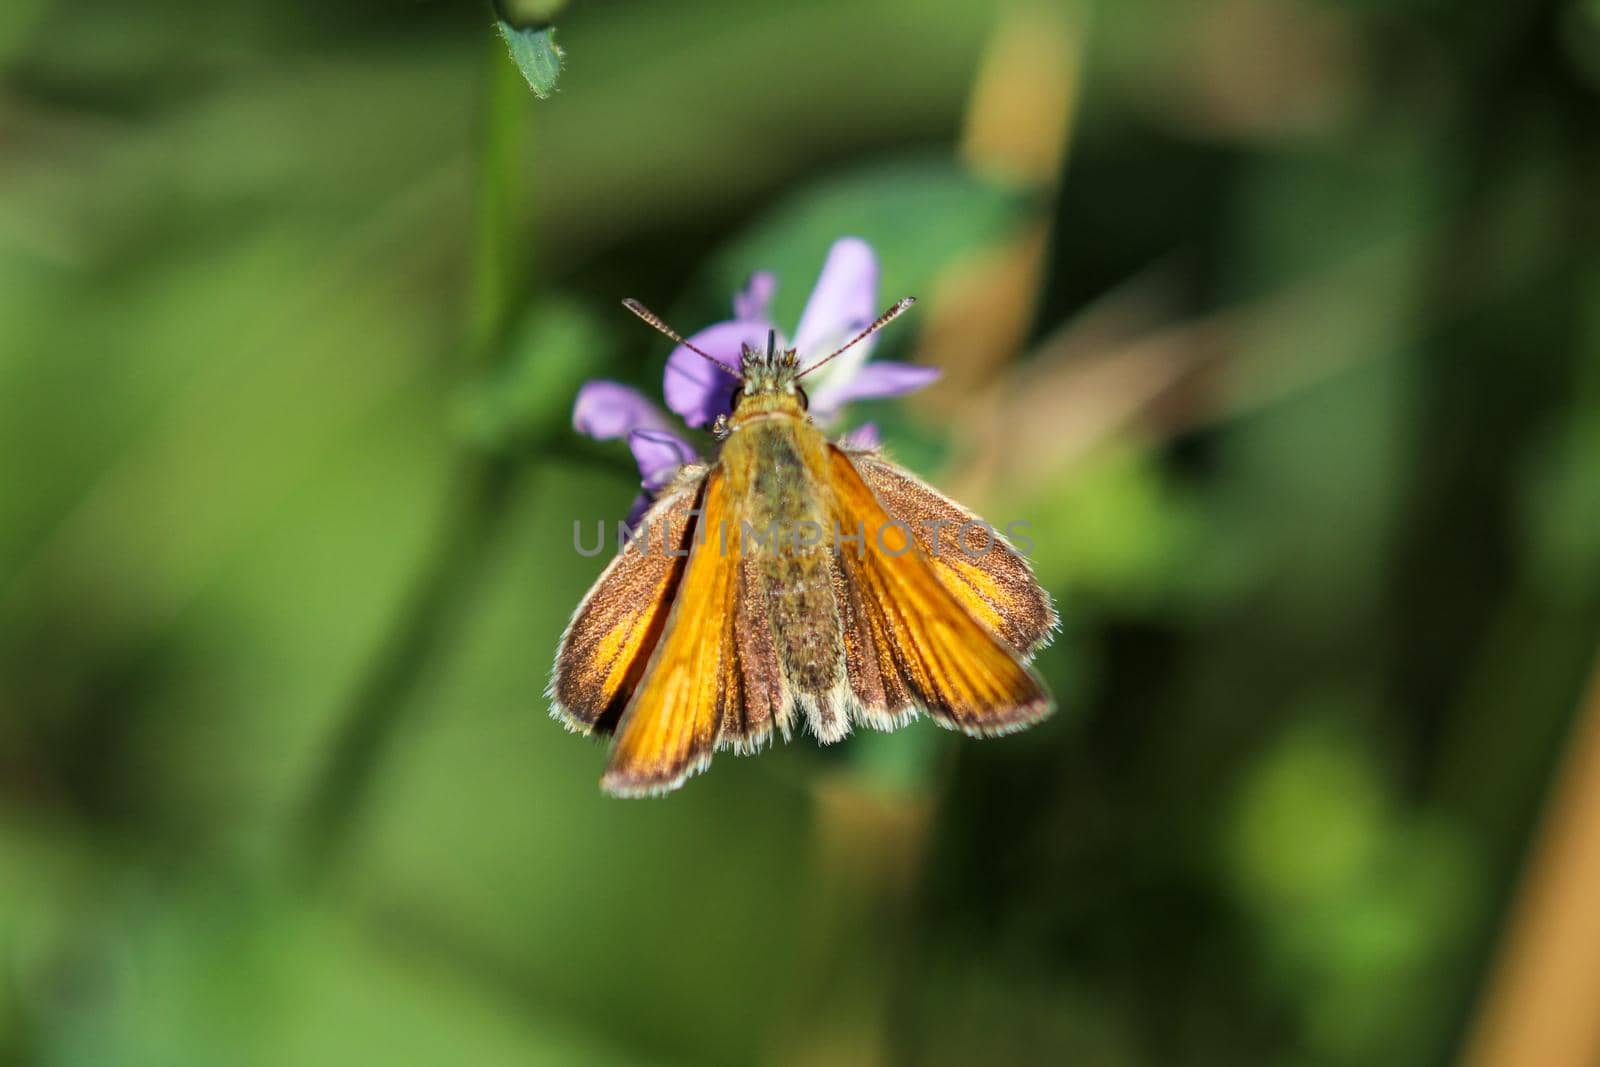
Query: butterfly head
(769, 378)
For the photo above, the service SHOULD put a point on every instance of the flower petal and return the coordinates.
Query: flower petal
(659, 454)
(694, 388)
(843, 302)
(863, 437)
(608, 410)
(754, 302)
(641, 504)
(874, 380)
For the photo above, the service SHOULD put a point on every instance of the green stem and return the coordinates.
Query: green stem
(501, 235)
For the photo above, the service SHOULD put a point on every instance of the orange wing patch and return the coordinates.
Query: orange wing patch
(927, 649)
(691, 685)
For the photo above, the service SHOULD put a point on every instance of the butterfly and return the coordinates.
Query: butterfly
(793, 582)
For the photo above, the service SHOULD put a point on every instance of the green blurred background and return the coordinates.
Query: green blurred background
(1278, 319)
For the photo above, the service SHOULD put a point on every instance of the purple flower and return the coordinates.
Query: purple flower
(843, 303)
(864, 437)
(609, 410)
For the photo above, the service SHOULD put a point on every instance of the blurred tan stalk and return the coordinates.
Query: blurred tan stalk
(869, 847)
(869, 841)
(1018, 127)
(1541, 1005)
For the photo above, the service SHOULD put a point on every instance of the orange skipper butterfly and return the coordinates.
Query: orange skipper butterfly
(794, 581)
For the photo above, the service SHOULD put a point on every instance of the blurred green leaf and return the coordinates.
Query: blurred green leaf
(17, 19)
(259, 980)
(1378, 949)
(1311, 816)
(1357, 900)
(1561, 513)
(1117, 530)
(49, 876)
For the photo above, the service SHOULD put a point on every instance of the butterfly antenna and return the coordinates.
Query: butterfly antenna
(877, 324)
(655, 320)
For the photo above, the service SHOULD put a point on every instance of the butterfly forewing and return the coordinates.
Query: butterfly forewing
(603, 653)
(678, 711)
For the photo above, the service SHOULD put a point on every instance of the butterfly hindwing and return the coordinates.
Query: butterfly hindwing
(918, 646)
